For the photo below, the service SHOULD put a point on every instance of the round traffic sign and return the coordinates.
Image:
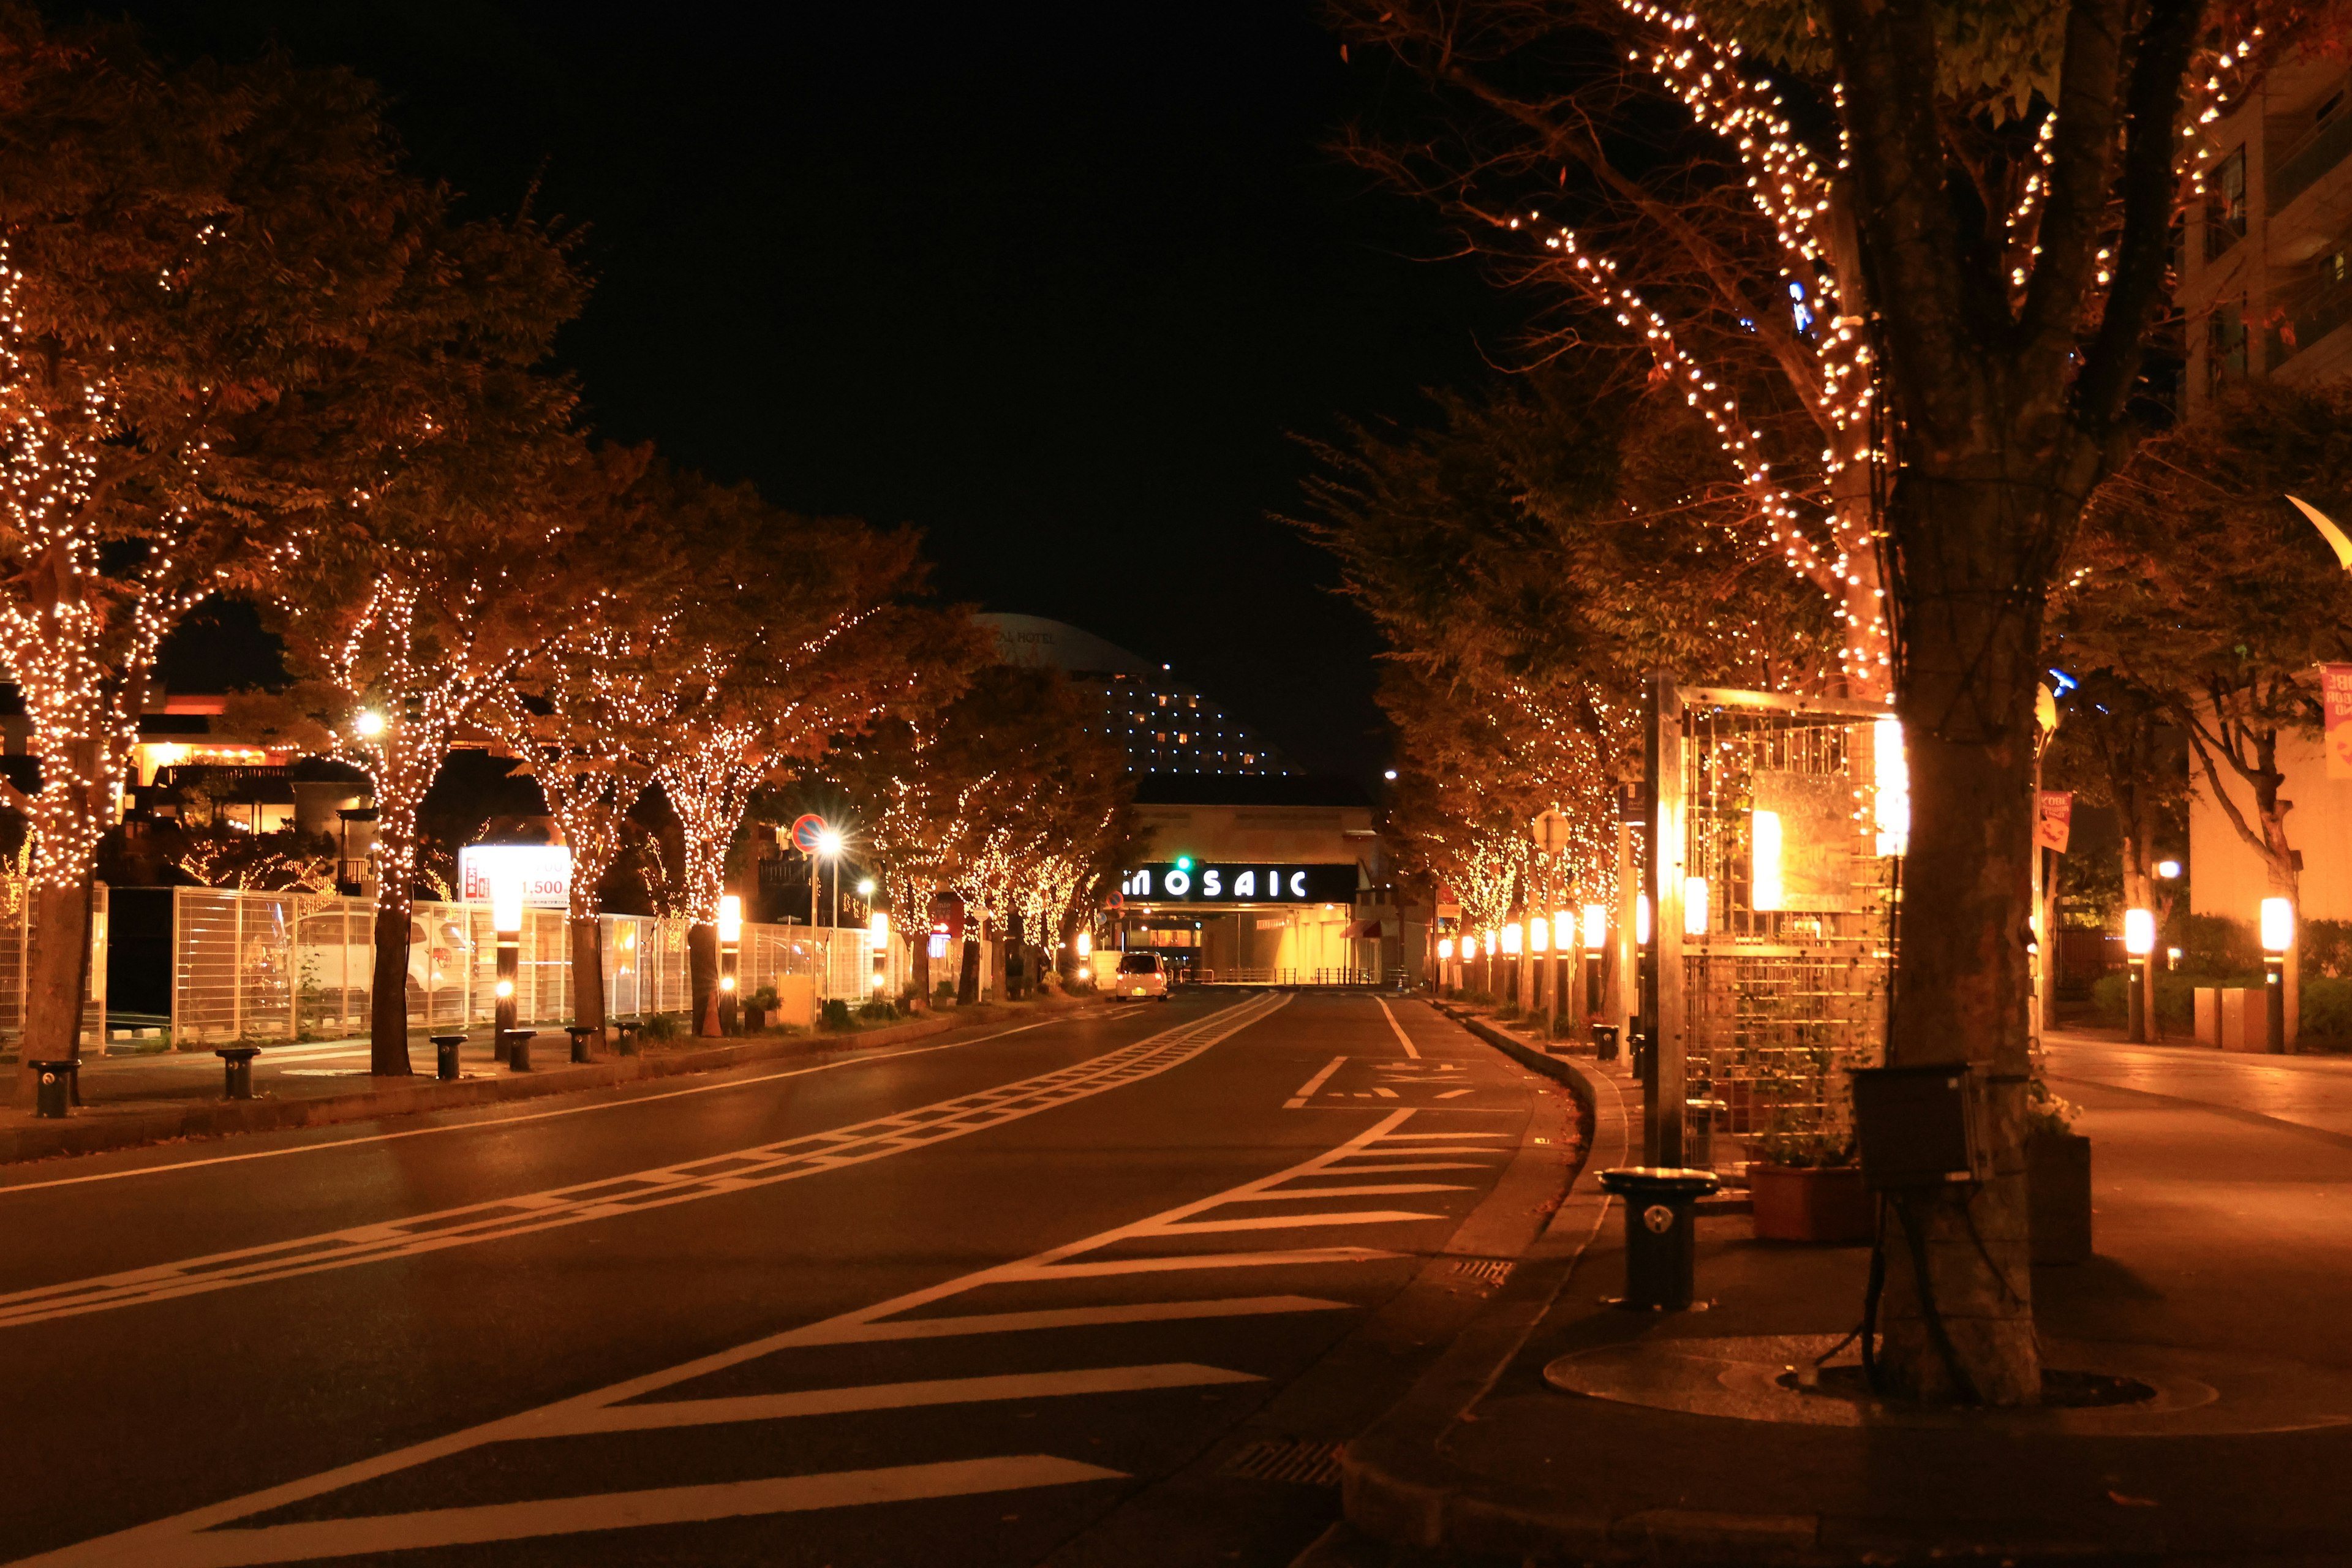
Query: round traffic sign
(808, 832)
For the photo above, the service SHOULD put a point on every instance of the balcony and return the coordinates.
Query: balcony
(2321, 149)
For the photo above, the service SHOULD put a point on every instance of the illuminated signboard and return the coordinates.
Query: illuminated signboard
(1217, 882)
(542, 870)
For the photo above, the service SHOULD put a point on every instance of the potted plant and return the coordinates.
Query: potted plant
(756, 1008)
(1807, 1186)
(2057, 1177)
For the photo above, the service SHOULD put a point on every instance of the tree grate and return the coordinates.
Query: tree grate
(1485, 1270)
(1296, 1460)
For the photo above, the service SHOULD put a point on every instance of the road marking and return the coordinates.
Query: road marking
(1064, 1318)
(1402, 1040)
(1379, 1187)
(670, 1414)
(1437, 1137)
(612, 1510)
(1289, 1258)
(1280, 1221)
(1312, 1084)
(194, 1539)
(1385, 1093)
(1415, 1165)
(704, 1176)
(528, 1116)
(1455, 1094)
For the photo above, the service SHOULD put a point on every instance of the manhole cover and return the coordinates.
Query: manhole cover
(1293, 1459)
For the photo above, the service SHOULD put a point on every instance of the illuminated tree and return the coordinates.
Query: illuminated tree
(1973, 210)
(206, 278)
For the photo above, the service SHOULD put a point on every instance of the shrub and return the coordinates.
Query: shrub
(944, 992)
(2216, 945)
(661, 1026)
(877, 1011)
(835, 1014)
(2326, 1005)
(764, 999)
(2326, 952)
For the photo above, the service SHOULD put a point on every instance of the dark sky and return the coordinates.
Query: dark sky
(1055, 286)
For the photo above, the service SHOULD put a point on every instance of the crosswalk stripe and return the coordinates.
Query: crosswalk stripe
(1060, 1317)
(674, 1413)
(1292, 1256)
(1292, 1221)
(610, 1510)
(1370, 1189)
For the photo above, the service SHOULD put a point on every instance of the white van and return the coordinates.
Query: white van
(1140, 974)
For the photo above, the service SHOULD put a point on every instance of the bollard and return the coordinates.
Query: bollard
(236, 1070)
(516, 1043)
(53, 1087)
(579, 1039)
(444, 1055)
(1660, 1233)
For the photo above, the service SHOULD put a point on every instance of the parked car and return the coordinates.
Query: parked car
(1140, 974)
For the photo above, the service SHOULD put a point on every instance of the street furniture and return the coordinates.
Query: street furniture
(1660, 1233)
(236, 1070)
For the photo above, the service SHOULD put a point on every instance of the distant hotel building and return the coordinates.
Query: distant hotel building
(1164, 725)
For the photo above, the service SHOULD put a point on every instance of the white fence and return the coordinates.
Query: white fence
(265, 966)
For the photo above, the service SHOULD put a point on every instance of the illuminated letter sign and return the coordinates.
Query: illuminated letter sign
(1208, 882)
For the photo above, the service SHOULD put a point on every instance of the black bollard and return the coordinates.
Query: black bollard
(516, 1046)
(444, 1055)
(53, 1087)
(579, 1039)
(236, 1070)
(1660, 1233)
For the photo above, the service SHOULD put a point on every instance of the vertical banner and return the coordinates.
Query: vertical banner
(2053, 819)
(2335, 686)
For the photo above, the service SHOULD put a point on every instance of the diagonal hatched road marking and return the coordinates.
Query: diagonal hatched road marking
(705, 1176)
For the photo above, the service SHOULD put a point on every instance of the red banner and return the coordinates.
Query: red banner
(2336, 688)
(2053, 819)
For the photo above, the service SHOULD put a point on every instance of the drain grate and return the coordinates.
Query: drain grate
(1295, 1461)
(1485, 1270)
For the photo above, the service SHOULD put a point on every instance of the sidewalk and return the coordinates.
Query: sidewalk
(2224, 1254)
(133, 1100)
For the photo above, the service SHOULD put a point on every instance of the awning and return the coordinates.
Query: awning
(1362, 930)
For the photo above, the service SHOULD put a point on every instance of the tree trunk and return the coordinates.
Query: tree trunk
(588, 974)
(1014, 931)
(53, 981)
(1965, 1331)
(388, 994)
(998, 951)
(968, 973)
(919, 966)
(702, 974)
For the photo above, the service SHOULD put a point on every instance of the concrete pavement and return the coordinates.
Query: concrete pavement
(1562, 1429)
(1110, 1288)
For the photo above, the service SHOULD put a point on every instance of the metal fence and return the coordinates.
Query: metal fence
(15, 960)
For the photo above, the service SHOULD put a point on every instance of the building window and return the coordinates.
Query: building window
(2225, 205)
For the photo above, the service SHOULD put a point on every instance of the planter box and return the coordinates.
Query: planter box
(1794, 1204)
(2058, 1196)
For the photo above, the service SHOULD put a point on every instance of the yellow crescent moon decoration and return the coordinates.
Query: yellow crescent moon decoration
(2328, 530)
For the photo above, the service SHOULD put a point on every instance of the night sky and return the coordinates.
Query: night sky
(1059, 287)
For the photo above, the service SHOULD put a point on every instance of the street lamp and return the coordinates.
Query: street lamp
(878, 933)
(1596, 937)
(369, 724)
(506, 922)
(731, 947)
(2278, 935)
(2139, 941)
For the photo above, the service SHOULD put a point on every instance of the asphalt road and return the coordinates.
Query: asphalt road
(1097, 1290)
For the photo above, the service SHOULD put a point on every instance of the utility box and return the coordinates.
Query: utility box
(2207, 1000)
(2246, 1021)
(796, 1000)
(1919, 1126)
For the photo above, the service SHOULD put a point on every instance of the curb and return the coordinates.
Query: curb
(230, 1118)
(1396, 1483)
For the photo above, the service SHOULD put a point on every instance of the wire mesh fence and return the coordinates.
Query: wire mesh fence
(1787, 925)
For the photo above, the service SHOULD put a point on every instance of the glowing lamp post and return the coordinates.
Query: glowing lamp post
(2139, 941)
(1539, 962)
(1596, 937)
(506, 921)
(2278, 935)
(731, 950)
(878, 933)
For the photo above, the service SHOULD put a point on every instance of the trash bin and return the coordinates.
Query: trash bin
(1661, 1232)
(236, 1070)
(444, 1055)
(53, 1087)
(1605, 1042)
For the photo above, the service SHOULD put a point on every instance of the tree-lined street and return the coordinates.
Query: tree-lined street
(964, 1301)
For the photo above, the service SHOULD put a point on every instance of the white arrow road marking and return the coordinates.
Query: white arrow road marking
(1306, 1090)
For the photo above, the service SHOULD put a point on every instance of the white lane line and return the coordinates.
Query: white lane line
(1282, 1221)
(1312, 1084)
(1438, 1137)
(1385, 1093)
(1402, 1040)
(1455, 1093)
(151, 1544)
(677, 1413)
(709, 1176)
(611, 1510)
(1064, 1318)
(1420, 1149)
(514, 1121)
(1291, 1257)
(1413, 1165)
(1380, 1188)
